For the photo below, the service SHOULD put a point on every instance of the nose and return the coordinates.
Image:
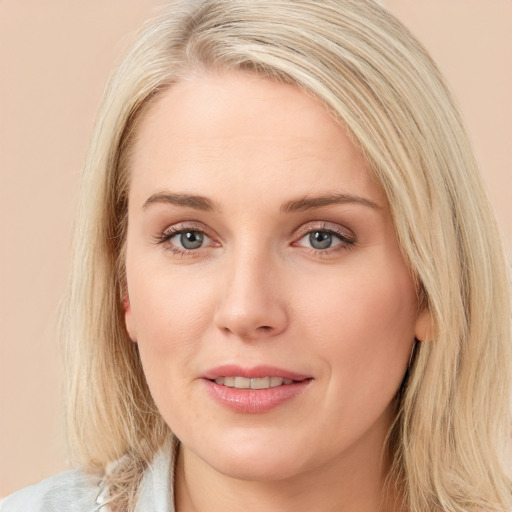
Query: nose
(251, 304)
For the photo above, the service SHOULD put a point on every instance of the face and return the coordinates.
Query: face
(272, 307)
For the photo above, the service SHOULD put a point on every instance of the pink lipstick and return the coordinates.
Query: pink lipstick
(254, 390)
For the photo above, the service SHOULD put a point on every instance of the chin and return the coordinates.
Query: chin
(251, 459)
(259, 468)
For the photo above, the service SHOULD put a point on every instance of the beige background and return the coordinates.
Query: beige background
(55, 57)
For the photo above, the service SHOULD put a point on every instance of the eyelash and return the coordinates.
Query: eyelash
(346, 242)
(165, 237)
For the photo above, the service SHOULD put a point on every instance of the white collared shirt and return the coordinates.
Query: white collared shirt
(76, 491)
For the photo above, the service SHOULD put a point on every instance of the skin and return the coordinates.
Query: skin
(258, 292)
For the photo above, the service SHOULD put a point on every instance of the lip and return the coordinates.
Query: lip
(256, 372)
(254, 401)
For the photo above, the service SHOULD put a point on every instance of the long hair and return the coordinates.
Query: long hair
(379, 83)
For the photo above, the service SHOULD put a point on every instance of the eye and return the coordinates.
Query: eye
(183, 239)
(322, 239)
(188, 239)
(325, 239)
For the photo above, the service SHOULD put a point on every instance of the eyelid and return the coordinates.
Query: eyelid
(169, 232)
(342, 232)
(347, 239)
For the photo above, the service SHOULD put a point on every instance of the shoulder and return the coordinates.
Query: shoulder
(73, 491)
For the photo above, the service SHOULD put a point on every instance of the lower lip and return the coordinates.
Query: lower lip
(255, 401)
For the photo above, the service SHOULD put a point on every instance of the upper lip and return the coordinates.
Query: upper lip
(254, 372)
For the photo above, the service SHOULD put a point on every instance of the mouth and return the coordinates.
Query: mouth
(239, 382)
(257, 377)
(254, 390)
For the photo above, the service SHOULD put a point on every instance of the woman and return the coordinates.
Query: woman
(288, 290)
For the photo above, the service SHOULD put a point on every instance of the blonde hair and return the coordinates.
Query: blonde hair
(453, 415)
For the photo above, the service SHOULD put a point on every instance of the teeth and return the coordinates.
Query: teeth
(245, 383)
(275, 381)
(242, 383)
(260, 383)
(230, 382)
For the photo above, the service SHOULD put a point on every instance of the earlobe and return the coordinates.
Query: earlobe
(423, 329)
(128, 319)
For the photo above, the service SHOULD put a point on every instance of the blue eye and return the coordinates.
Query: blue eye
(188, 239)
(321, 239)
(325, 239)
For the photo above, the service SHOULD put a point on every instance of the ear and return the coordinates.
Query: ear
(128, 319)
(423, 328)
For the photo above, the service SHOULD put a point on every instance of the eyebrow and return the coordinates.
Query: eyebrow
(305, 203)
(309, 203)
(191, 201)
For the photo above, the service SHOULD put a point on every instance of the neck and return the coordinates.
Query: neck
(355, 482)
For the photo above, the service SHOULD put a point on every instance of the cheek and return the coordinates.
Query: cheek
(363, 323)
(164, 300)
(170, 312)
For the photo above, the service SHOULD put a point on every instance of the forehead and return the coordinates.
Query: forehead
(232, 129)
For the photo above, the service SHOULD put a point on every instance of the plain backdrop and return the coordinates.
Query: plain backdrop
(55, 58)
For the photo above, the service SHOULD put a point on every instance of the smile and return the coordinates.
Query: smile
(254, 390)
(256, 383)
